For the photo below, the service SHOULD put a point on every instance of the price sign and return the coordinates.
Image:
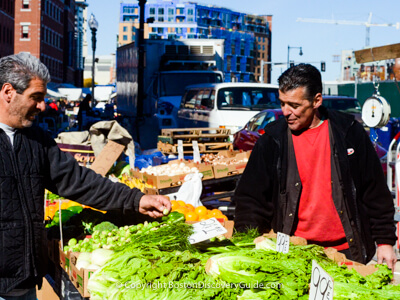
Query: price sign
(205, 230)
(196, 152)
(282, 242)
(321, 287)
(180, 149)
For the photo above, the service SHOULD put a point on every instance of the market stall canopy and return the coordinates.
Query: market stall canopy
(103, 93)
(54, 94)
(72, 94)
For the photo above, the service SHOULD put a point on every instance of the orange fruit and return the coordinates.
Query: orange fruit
(191, 216)
(225, 218)
(190, 207)
(201, 211)
(181, 203)
(181, 210)
(216, 213)
(174, 205)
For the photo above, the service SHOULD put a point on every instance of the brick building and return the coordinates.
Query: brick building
(6, 27)
(46, 30)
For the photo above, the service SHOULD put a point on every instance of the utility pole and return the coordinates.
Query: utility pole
(139, 109)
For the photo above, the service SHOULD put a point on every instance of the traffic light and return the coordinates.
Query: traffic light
(323, 67)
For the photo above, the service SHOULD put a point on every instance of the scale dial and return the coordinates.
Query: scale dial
(375, 112)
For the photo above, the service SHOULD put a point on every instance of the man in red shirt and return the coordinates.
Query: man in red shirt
(315, 174)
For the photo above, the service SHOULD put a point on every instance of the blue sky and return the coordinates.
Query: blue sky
(320, 42)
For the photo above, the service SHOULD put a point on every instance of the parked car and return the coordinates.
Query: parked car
(246, 138)
(225, 104)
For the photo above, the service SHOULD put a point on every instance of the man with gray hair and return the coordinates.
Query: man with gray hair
(30, 162)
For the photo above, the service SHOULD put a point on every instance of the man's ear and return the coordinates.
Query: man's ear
(7, 91)
(317, 100)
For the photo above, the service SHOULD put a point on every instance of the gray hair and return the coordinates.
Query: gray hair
(19, 69)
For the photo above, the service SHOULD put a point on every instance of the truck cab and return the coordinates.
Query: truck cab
(168, 88)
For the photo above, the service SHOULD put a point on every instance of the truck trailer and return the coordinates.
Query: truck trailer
(170, 66)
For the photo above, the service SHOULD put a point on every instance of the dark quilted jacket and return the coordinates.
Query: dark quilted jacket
(263, 202)
(33, 164)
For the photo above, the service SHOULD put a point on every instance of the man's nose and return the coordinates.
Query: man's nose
(285, 110)
(41, 105)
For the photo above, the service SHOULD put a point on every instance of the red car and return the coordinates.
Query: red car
(246, 137)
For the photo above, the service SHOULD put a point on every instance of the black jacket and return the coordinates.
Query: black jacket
(267, 195)
(33, 164)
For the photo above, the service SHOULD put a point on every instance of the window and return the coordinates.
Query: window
(25, 4)
(124, 29)
(179, 11)
(171, 11)
(152, 11)
(160, 30)
(205, 100)
(179, 30)
(25, 31)
(160, 11)
(190, 99)
(190, 19)
(170, 19)
(160, 19)
(190, 11)
(125, 37)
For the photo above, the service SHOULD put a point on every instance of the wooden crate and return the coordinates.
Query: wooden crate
(187, 135)
(188, 148)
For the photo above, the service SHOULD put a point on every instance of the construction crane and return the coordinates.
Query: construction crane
(367, 24)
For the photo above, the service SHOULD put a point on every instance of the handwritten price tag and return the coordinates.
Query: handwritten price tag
(282, 242)
(196, 152)
(321, 287)
(205, 230)
(180, 149)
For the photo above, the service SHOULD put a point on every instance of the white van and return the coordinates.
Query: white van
(225, 104)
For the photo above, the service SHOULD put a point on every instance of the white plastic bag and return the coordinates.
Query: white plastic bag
(191, 189)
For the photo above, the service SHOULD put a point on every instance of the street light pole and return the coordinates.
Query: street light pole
(93, 25)
(288, 51)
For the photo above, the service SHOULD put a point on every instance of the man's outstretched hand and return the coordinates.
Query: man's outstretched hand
(154, 205)
(386, 254)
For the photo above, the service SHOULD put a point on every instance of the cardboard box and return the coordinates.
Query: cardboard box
(137, 174)
(83, 154)
(206, 170)
(341, 259)
(64, 260)
(165, 181)
(229, 153)
(46, 292)
(79, 278)
(226, 167)
(101, 164)
(107, 157)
